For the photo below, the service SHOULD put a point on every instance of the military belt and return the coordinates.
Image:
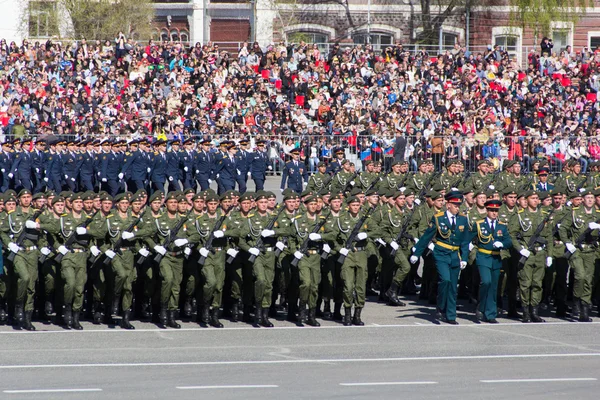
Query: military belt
(539, 248)
(356, 249)
(587, 245)
(447, 246)
(558, 242)
(215, 249)
(31, 248)
(77, 250)
(312, 251)
(269, 248)
(489, 252)
(125, 249)
(175, 253)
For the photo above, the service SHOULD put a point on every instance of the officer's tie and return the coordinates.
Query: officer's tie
(492, 226)
(453, 224)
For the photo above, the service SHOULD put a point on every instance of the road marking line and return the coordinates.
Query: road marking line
(227, 387)
(52, 391)
(388, 383)
(300, 361)
(322, 327)
(537, 380)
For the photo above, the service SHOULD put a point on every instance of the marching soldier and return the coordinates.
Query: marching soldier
(294, 173)
(319, 180)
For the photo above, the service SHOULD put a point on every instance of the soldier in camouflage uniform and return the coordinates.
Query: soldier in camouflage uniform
(320, 179)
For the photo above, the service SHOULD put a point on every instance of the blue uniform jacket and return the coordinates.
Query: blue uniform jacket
(294, 174)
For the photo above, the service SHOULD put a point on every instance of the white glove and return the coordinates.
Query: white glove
(394, 245)
(10, 175)
(197, 172)
(417, 201)
(361, 236)
(110, 254)
(314, 236)
(149, 169)
(280, 246)
(170, 179)
(249, 174)
(45, 179)
(298, 255)
(281, 190)
(232, 252)
(66, 176)
(254, 251)
(144, 252)
(548, 261)
(380, 241)
(95, 251)
(127, 235)
(267, 233)
(218, 175)
(525, 253)
(238, 171)
(594, 225)
(463, 265)
(81, 230)
(218, 234)
(326, 248)
(352, 183)
(37, 170)
(209, 181)
(558, 225)
(471, 246)
(270, 168)
(304, 184)
(160, 250)
(103, 179)
(121, 175)
(414, 259)
(180, 242)
(431, 246)
(13, 247)
(186, 169)
(416, 240)
(187, 251)
(572, 249)
(45, 251)
(63, 250)
(3, 170)
(73, 179)
(498, 245)
(204, 252)
(344, 251)
(30, 225)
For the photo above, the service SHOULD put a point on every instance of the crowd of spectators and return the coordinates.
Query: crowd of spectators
(393, 104)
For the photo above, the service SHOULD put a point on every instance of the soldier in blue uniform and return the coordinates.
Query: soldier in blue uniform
(101, 158)
(187, 160)
(490, 235)
(173, 166)
(85, 161)
(295, 173)
(218, 164)
(259, 165)
(226, 168)
(111, 168)
(158, 172)
(450, 234)
(38, 159)
(203, 164)
(135, 167)
(70, 167)
(6, 158)
(21, 167)
(543, 185)
(337, 165)
(54, 166)
(243, 159)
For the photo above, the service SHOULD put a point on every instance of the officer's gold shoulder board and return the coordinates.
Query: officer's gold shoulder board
(501, 223)
(439, 214)
(250, 215)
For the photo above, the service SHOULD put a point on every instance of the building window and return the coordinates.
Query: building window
(509, 43)
(560, 38)
(449, 39)
(185, 36)
(43, 21)
(164, 35)
(594, 42)
(175, 35)
(308, 37)
(377, 40)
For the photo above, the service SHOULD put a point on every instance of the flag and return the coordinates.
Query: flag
(365, 155)
(389, 151)
(375, 147)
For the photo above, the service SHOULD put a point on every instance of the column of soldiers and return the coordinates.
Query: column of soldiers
(186, 254)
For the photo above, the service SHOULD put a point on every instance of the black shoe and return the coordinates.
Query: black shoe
(526, 315)
(125, 324)
(302, 317)
(312, 320)
(187, 307)
(356, 320)
(451, 322)
(576, 310)
(513, 313)
(247, 317)
(265, 318)
(146, 309)
(337, 312)
(535, 316)
(492, 321)
(19, 314)
(162, 316)
(96, 313)
(347, 316)
(205, 314)
(171, 323)
(561, 310)
(27, 321)
(235, 311)
(439, 314)
(3, 315)
(68, 317)
(258, 315)
(76, 324)
(392, 295)
(585, 313)
(214, 318)
(48, 308)
(115, 305)
(326, 309)
(479, 315)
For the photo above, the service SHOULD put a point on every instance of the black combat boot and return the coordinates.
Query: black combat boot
(576, 311)
(214, 318)
(48, 308)
(19, 314)
(162, 316)
(326, 309)
(265, 318)
(235, 311)
(205, 315)
(27, 321)
(247, 317)
(584, 316)
(535, 316)
(312, 318)
(125, 324)
(512, 311)
(337, 312)
(96, 313)
(3, 315)
(392, 295)
(76, 324)
(356, 320)
(526, 315)
(187, 307)
(68, 316)
(347, 316)
(171, 323)
(302, 313)
(115, 305)
(258, 315)
(146, 309)
(561, 309)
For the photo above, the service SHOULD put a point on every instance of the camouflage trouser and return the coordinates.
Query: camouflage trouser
(583, 265)
(354, 276)
(26, 273)
(531, 278)
(124, 276)
(73, 270)
(213, 272)
(264, 273)
(171, 272)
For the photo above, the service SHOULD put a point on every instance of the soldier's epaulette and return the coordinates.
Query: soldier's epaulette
(10, 212)
(109, 216)
(64, 214)
(575, 208)
(250, 215)
(127, 153)
(501, 223)
(296, 217)
(156, 153)
(462, 214)
(544, 212)
(439, 214)
(479, 221)
(322, 217)
(520, 211)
